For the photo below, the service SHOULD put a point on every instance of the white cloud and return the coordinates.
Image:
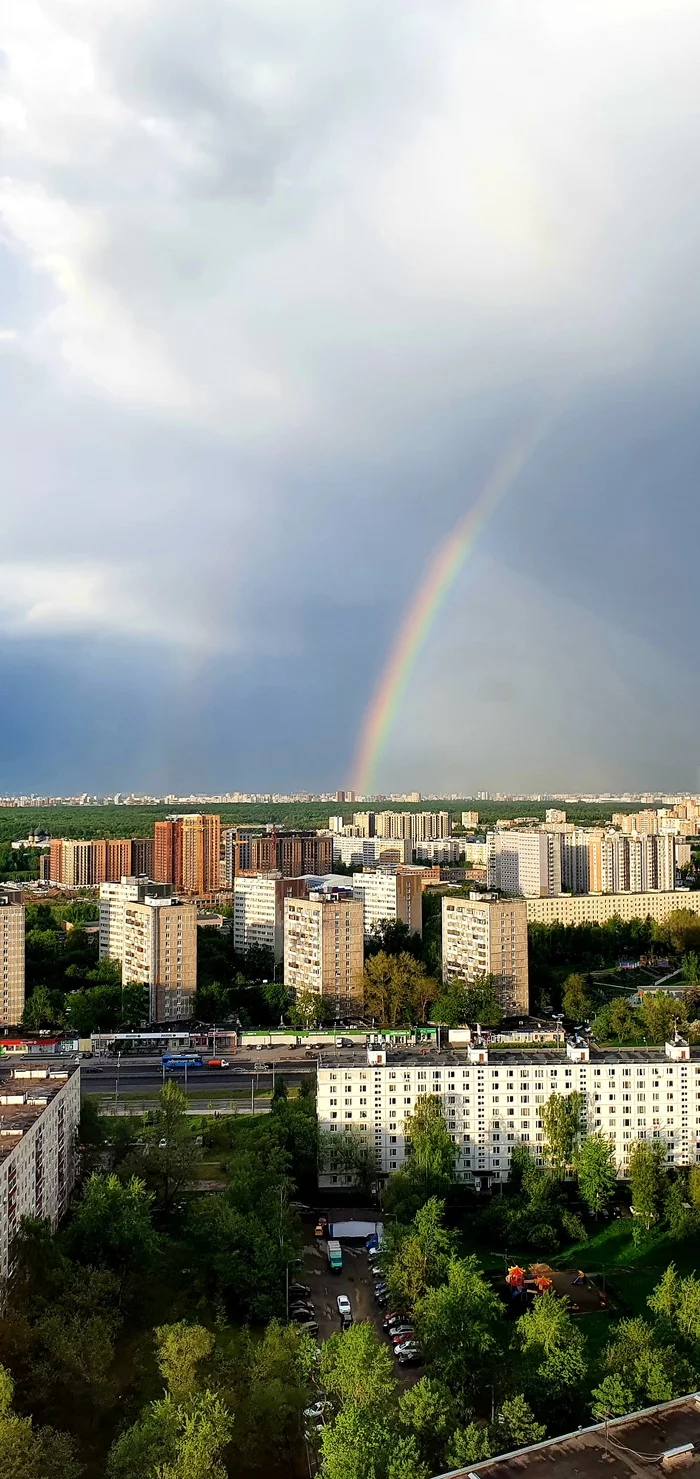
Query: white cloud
(40, 600)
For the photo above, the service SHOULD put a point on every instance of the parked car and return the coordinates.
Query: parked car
(344, 1305)
(400, 1334)
(382, 1300)
(315, 1413)
(410, 1357)
(310, 1326)
(381, 1288)
(299, 1289)
(397, 1317)
(300, 1315)
(409, 1343)
(320, 1229)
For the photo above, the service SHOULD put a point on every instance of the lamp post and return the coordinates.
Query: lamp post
(116, 1085)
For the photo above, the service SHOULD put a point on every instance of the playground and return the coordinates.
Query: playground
(520, 1285)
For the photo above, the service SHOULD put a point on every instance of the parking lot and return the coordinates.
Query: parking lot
(355, 1281)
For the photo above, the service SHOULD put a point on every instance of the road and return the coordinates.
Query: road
(100, 1077)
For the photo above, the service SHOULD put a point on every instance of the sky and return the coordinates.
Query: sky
(280, 284)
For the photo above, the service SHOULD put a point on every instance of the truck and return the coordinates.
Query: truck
(218, 1063)
(335, 1256)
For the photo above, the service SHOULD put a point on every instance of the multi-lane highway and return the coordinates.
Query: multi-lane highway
(99, 1076)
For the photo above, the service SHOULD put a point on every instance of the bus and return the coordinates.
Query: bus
(182, 1060)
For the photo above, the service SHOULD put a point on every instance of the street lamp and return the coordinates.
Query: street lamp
(116, 1085)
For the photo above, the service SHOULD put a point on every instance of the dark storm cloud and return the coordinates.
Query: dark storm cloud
(281, 282)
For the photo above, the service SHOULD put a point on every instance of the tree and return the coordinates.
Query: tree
(624, 1021)
(112, 1227)
(459, 1325)
(433, 1150)
(553, 1362)
(180, 1351)
(612, 1398)
(356, 1367)
(561, 1121)
(169, 1152)
(676, 1302)
(680, 1215)
(421, 1257)
(597, 1172)
(576, 1001)
(174, 1441)
(518, 1428)
(281, 1385)
(27, 1452)
(42, 1009)
(396, 988)
(682, 929)
(691, 967)
(647, 1180)
(352, 1155)
(429, 1411)
(644, 1366)
(661, 1014)
(308, 1009)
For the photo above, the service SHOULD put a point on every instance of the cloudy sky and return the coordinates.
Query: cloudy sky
(280, 282)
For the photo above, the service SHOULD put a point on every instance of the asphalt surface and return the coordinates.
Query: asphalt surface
(99, 1076)
(354, 1280)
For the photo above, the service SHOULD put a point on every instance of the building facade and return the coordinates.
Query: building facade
(597, 908)
(492, 1101)
(11, 960)
(369, 852)
(87, 864)
(114, 898)
(388, 895)
(187, 853)
(324, 948)
(291, 854)
(39, 1114)
(160, 952)
(525, 863)
(258, 911)
(484, 936)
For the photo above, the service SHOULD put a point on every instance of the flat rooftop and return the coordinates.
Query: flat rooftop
(628, 1448)
(26, 1088)
(356, 1057)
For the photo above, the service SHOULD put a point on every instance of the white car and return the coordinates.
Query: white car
(344, 1306)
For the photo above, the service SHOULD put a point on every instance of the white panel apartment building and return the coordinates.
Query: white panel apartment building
(493, 1101)
(39, 1114)
(388, 895)
(483, 935)
(258, 910)
(324, 948)
(526, 863)
(368, 852)
(596, 908)
(11, 961)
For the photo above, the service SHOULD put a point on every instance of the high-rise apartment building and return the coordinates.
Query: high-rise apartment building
(526, 863)
(11, 960)
(575, 856)
(554, 816)
(388, 895)
(419, 826)
(39, 1114)
(141, 858)
(87, 864)
(470, 819)
(160, 952)
(631, 863)
(365, 823)
(291, 854)
(371, 852)
(187, 852)
(324, 949)
(258, 910)
(114, 898)
(484, 936)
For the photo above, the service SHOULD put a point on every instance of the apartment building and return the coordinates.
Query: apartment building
(597, 908)
(418, 826)
(291, 854)
(39, 1114)
(470, 819)
(388, 894)
(324, 948)
(483, 935)
(87, 864)
(187, 853)
(439, 850)
(11, 959)
(258, 910)
(114, 898)
(631, 863)
(492, 1101)
(160, 952)
(368, 852)
(526, 863)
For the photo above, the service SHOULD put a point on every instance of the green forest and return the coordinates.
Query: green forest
(137, 821)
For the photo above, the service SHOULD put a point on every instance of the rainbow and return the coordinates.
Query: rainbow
(435, 586)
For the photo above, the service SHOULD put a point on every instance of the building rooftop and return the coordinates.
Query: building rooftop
(660, 1440)
(25, 1091)
(456, 1056)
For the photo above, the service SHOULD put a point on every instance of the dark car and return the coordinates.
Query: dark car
(299, 1289)
(409, 1357)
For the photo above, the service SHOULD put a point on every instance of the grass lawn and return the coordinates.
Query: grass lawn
(630, 1271)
